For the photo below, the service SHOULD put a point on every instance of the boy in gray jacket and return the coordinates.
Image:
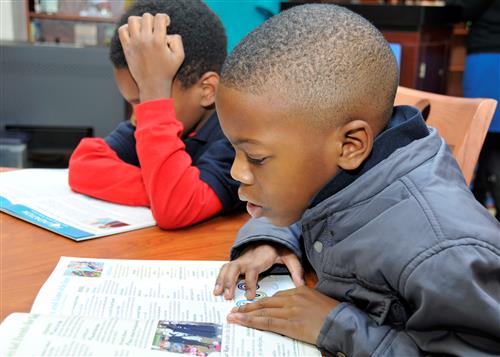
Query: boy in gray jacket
(408, 263)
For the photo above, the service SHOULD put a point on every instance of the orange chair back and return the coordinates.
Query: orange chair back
(462, 122)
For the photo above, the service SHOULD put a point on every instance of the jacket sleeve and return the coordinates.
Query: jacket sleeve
(96, 170)
(178, 196)
(471, 9)
(261, 230)
(454, 294)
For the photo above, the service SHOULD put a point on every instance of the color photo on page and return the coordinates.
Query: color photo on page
(192, 338)
(85, 269)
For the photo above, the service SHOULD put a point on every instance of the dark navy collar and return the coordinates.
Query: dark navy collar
(405, 126)
(204, 134)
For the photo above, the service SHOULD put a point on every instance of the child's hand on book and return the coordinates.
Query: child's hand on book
(297, 313)
(153, 56)
(254, 260)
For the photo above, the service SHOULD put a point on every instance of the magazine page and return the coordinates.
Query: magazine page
(172, 291)
(48, 335)
(43, 197)
(24, 334)
(143, 289)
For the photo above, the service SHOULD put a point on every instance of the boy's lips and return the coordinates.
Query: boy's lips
(254, 210)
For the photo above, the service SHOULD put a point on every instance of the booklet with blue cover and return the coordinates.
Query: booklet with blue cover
(43, 197)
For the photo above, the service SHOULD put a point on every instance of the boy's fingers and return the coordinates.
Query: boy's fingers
(161, 23)
(259, 322)
(266, 303)
(147, 24)
(251, 277)
(285, 293)
(295, 268)
(272, 312)
(230, 278)
(124, 35)
(276, 312)
(219, 282)
(134, 26)
(175, 44)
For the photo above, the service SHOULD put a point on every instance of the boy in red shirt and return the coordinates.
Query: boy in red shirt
(172, 155)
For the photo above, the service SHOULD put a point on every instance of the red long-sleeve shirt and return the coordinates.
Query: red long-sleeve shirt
(166, 180)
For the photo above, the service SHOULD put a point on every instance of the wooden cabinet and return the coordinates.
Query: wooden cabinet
(424, 57)
(457, 60)
(80, 22)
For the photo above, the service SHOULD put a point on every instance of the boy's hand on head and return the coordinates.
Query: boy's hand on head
(254, 260)
(297, 313)
(153, 56)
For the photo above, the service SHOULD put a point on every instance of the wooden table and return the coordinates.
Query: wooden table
(28, 254)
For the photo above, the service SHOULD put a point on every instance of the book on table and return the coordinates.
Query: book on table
(109, 307)
(43, 197)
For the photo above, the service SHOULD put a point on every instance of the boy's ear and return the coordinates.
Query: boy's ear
(355, 142)
(208, 84)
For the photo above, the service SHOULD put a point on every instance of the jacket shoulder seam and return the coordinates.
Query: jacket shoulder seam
(422, 202)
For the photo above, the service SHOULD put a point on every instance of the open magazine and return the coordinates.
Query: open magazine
(106, 307)
(43, 197)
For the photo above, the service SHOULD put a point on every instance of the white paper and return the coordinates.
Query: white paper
(151, 290)
(41, 335)
(43, 197)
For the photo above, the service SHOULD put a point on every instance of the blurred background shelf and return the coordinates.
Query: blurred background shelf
(80, 22)
(35, 15)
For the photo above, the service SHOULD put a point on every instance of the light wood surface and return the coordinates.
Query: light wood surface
(28, 254)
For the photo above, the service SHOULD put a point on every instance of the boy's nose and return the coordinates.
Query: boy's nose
(240, 171)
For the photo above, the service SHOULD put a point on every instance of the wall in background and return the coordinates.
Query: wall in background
(13, 20)
(242, 16)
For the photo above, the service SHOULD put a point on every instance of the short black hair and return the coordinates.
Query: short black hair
(320, 59)
(203, 36)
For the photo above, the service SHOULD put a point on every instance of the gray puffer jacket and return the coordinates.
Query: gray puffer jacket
(412, 256)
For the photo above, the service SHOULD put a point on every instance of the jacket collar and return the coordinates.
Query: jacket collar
(405, 126)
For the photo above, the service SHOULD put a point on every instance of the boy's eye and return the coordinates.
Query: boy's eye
(255, 161)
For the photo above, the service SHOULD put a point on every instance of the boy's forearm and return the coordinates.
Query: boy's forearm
(454, 311)
(178, 196)
(97, 171)
(260, 230)
(350, 331)
(155, 91)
